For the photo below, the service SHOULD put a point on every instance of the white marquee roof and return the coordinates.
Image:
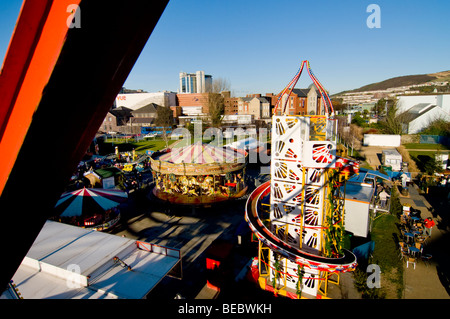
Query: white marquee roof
(61, 251)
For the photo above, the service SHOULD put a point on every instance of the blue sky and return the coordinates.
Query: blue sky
(258, 45)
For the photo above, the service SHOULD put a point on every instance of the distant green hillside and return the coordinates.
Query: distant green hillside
(397, 81)
(402, 81)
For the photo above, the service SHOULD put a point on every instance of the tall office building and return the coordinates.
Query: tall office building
(198, 82)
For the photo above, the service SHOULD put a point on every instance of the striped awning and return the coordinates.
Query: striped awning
(201, 153)
(89, 201)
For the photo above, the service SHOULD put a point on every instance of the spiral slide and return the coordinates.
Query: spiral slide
(347, 262)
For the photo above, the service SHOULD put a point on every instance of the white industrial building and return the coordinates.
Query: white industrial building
(384, 140)
(423, 109)
(135, 101)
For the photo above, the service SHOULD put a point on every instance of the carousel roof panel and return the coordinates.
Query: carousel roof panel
(202, 153)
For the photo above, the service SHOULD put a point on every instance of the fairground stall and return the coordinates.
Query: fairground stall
(199, 174)
(93, 208)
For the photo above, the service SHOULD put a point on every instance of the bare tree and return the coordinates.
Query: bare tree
(164, 119)
(215, 103)
(351, 136)
(219, 85)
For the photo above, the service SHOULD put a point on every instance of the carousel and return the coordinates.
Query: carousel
(199, 174)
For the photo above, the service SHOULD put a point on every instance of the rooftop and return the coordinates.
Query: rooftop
(69, 262)
(418, 110)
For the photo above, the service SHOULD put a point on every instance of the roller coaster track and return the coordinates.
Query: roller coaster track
(346, 262)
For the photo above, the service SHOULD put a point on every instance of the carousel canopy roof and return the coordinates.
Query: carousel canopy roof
(202, 153)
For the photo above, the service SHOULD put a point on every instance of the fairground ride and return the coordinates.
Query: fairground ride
(298, 216)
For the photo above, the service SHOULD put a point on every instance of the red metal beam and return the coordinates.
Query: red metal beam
(90, 65)
(32, 54)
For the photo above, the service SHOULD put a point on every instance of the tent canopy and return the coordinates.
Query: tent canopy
(367, 173)
(202, 153)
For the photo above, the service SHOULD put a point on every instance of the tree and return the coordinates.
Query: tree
(358, 120)
(338, 104)
(216, 102)
(437, 126)
(216, 108)
(395, 122)
(432, 165)
(164, 119)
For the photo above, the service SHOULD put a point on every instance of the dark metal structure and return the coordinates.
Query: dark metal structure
(58, 83)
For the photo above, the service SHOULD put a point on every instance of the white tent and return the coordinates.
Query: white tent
(245, 144)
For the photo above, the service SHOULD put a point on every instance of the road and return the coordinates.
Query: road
(372, 155)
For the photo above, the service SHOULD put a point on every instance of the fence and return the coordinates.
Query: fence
(434, 139)
(171, 252)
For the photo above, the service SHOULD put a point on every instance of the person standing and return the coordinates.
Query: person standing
(383, 198)
(404, 178)
(429, 224)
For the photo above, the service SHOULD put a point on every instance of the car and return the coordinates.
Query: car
(150, 135)
(176, 135)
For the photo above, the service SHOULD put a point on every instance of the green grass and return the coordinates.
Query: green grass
(415, 146)
(414, 154)
(154, 144)
(140, 147)
(385, 234)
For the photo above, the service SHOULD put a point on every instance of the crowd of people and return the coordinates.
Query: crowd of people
(415, 232)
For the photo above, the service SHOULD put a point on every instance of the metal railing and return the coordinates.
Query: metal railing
(162, 250)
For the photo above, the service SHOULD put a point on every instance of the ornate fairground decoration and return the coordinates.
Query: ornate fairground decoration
(298, 215)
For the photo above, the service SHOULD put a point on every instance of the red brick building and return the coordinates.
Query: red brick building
(301, 102)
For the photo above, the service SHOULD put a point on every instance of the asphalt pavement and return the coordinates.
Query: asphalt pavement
(429, 280)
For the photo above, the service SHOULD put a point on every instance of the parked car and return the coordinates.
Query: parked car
(150, 135)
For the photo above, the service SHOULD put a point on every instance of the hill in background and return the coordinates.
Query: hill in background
(406, 80)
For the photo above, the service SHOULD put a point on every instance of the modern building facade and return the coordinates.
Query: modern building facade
(197, 82)
(135, 101)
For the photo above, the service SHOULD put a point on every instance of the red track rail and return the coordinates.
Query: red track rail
(341, 264)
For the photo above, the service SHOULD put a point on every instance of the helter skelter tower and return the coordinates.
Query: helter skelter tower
(298, 215)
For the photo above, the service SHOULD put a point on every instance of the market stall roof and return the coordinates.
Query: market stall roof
(367, 173)
(69, 262)
(358, 191)
(202, 153)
